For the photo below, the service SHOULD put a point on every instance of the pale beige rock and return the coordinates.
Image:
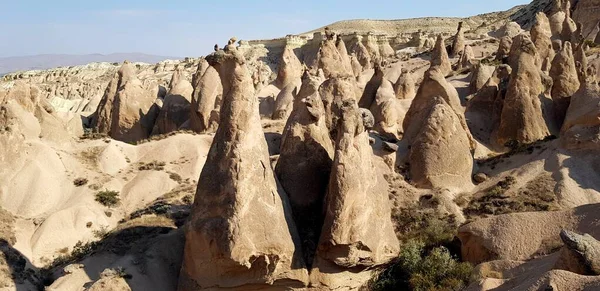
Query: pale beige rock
(362, 54)
(480, 74)
(284, 102)
(439, 56)
(585, 246)
(109, 281)
(541, 36)
(484, 110)
(557, 21)
(341, 47)
(434, 85)
(522, 120)
(368, 96)
(405, 85)
(581, 62)
(385, 49)
(229, 243)
(587, 13)
(304, 163)
(102, 119)
(356, 66)
(358, 233)
(134, 112)
(504, 48)
(334, 92)
(581, 127)
(290, 69)
(569, 29)
(331, 61)
(384, 108)
(372, 47)
(458, 44)
(206, 101)
(519, 236)
(176, 105)
(440, 155)
(565, 81)
(466, 58)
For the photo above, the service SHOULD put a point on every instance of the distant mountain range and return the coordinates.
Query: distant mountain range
(42, 62)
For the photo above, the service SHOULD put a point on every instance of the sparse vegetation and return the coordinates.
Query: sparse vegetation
(108, 198)
(80, 182)
(152, 166)
(102, 232)
(537, 195)
(175, 177)
(421, 270)
(165, 135)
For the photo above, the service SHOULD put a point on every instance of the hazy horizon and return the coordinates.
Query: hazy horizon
(186, 28)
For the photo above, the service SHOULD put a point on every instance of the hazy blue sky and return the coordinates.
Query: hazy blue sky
(192, 27)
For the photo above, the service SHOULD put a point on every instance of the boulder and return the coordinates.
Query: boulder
(565, 81)
(439, 57)
(206, 102)
(304, 164)
(175, 110)
(522, 120)
(405, 85)
(584, 247)
(520, 236)
(480, 74)
(458, 44)
(229, 243)
(358, 233)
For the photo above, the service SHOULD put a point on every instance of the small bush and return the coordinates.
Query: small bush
(419, 270)
(101, 233)
(80, 182)
(108, 198)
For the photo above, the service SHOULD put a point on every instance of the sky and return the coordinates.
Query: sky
(183, 28)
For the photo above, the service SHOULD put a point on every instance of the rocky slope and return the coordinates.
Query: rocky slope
(340, 163)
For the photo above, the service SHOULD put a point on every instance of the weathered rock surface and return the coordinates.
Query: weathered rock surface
(581, 127)
(304, 163)
(458, 44)
(284, 102)
(440, 156)
(176, 105)
(370, 92)
(206, 101)
(331, 61)
(541, 36)
(362, 54)
(466, 58)
(384, 108)
(480, 74)
(585, 246)
(519, 236)
(565, 81)
(484, 110)
(522, 120)
(237, 189)
(405, 86)
(358, 232)
(333, 93)
(439, 56)
(290, 68)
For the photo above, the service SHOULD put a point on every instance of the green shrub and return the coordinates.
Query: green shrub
(419, 270)
(108, 198)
